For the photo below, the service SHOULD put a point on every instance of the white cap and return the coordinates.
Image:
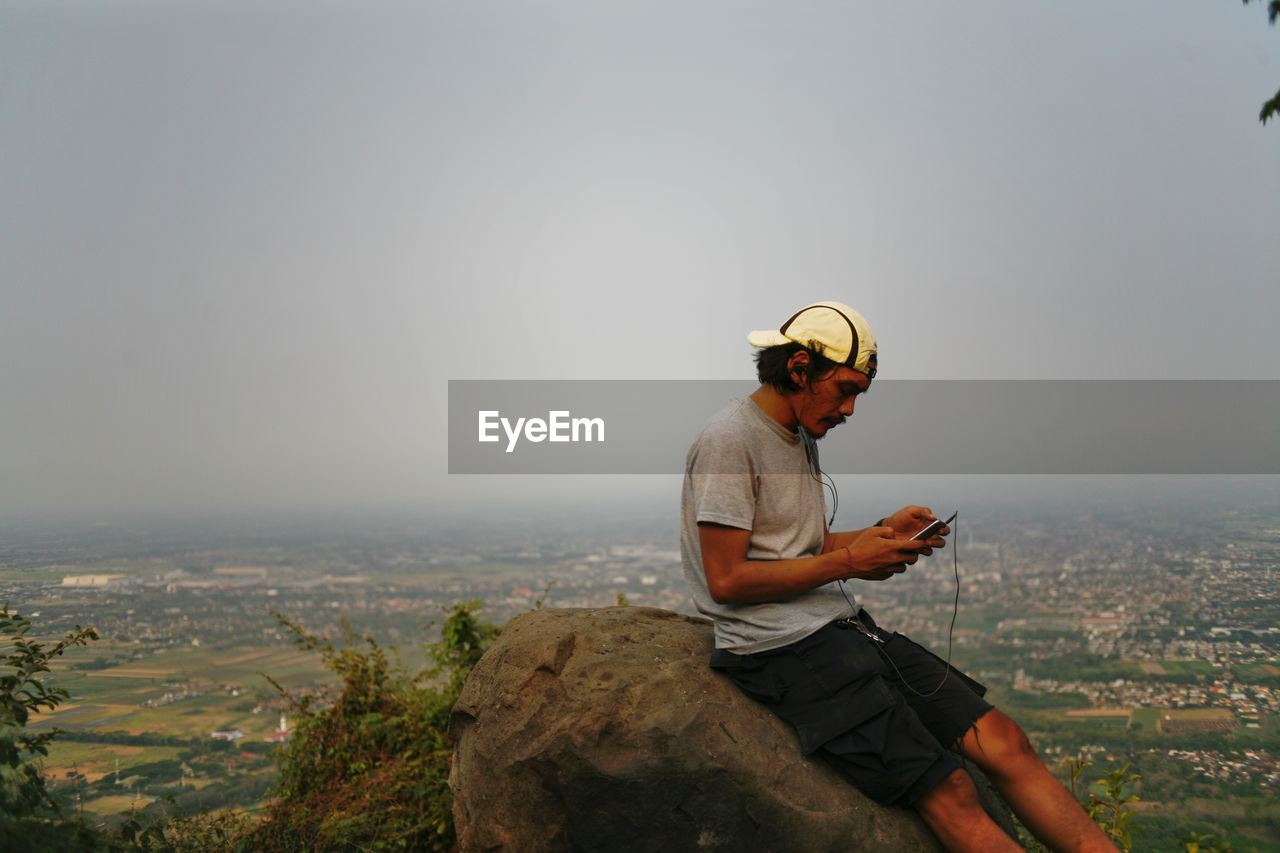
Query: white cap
(833, 328)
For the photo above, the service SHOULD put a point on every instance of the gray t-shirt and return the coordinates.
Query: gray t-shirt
(746, 470)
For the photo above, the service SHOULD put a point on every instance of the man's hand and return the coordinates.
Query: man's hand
(879, 553)
(910, 520)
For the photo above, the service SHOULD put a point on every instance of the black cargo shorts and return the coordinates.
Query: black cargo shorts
(850, 698)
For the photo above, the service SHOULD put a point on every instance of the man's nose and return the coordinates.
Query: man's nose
(846, 408)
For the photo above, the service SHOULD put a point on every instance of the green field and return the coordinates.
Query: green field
(225, 687)
(1148, 718)
(1188, 667)
(97, 759)
(1257, 672)
(238, 665)
(1099, 722)
(119, 566)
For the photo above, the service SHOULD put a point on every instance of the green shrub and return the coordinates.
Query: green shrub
(369, 770)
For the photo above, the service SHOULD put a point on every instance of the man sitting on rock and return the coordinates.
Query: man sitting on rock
(762, 564)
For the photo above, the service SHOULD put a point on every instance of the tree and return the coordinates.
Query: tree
(1271, 107)
(28, 815)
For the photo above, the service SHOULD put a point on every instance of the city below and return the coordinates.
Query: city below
(1121, 635)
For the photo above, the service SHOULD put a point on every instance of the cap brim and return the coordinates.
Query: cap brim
(767, 338)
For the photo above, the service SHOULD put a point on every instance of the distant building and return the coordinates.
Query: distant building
(90, 580)
(282, 733)
(227, 734)
(242, 571)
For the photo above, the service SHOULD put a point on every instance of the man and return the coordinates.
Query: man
(781, 589)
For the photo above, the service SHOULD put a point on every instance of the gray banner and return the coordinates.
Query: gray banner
(899, 427)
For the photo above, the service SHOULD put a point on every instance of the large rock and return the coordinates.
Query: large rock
(605, 730)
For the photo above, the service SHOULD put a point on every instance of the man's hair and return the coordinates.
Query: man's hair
(771, 365)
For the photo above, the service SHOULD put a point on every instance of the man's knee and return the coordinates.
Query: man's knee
(952, 802)
(996, 741)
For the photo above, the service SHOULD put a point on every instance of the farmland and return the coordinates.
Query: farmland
(144, 727)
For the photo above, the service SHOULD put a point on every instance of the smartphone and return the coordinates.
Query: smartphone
(933, 527)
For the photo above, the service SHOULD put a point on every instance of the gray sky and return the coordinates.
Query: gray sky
(244, 245)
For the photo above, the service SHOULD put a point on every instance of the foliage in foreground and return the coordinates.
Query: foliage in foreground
(370, 770)
(366, 771)
(29, 818)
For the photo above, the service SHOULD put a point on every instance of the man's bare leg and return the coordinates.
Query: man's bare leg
(997, 745)
(952, 811)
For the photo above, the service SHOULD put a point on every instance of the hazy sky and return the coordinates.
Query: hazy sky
(244, 245)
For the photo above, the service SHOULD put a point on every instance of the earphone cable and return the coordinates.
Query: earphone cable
(955, 611)
(815, 470)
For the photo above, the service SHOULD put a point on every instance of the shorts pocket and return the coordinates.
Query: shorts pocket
(854, 704)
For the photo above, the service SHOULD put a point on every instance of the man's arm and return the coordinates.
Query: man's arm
(834, 540)
(733, 579)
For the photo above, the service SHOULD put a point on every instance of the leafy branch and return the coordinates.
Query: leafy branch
(1115, 812)
(26, 809)
(1271, 107)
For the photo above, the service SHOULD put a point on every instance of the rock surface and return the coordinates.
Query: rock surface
(602, 730)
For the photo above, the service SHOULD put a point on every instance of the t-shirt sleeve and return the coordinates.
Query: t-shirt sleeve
(722, 476)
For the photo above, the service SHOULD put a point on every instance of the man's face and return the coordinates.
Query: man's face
(827, 402)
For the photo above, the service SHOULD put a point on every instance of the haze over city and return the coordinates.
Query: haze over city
(246, 245)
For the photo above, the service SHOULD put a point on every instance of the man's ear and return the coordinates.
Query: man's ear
(796, 366)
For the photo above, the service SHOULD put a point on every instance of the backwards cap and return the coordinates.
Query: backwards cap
(841, 332)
